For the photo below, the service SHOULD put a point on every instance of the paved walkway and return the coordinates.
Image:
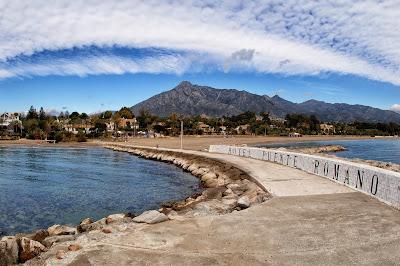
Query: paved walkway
(309, 221)
(280, 180)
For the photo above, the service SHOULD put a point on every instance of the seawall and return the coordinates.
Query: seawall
(379, 183)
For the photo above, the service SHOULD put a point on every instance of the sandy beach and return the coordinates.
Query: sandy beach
(203, 142)
(189, 142)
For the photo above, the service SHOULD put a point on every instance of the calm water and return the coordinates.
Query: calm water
(380, 149)
(40, 187)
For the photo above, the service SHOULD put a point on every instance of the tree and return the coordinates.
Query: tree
(42, 114)
(144, 118)
(84, 116)
(126, 113)
(32, 114)
(107, 115)
(265, 118)
(74, 115)
(61, 115)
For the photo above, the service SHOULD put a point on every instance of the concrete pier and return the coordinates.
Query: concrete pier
(311, 220)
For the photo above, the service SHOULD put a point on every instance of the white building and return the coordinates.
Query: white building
(7, 118)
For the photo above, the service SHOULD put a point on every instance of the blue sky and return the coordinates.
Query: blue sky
(96, 55)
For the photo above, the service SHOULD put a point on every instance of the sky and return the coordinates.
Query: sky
(95, 55)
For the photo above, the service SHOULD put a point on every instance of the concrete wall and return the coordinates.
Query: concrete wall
(380, 183)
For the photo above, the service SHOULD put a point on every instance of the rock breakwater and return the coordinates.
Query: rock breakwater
(226, 189)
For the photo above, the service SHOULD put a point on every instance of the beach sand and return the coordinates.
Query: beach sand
(189, 142)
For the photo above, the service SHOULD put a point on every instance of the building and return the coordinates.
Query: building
(206, 129)
(327, 129)
(11, 123)
(128, 123)
(295, 135)
(243, 129)
(75, 128)
(7, 118)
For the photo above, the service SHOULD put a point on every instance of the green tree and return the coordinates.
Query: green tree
(107, 115)
(126, 113)
(42, 114)
(84, 116)
(32, 114)
(74, 115)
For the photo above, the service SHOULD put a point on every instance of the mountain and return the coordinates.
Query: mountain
(189, 99)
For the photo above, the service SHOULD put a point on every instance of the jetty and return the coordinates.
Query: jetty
(309, 220)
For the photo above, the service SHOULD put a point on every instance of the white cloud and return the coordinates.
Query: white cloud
(396, 108)
(289, 37)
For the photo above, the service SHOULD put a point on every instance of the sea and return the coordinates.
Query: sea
(40, 187)
(385, 150)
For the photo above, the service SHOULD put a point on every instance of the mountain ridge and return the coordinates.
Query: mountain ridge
(189, 99)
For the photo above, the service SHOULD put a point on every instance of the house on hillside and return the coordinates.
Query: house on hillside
(75, 128)
(327, 129)
(7, 118)
(243, 129)
(10, 122)
(128, 123)
(206, 129)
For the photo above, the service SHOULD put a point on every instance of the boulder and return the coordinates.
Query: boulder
(243, 202)
(230, 202)
(86, 221)
(49, 241)
(89, 227)
(236, 188)
(228, 192)
(8, 251)
(115, 218)
(209, 175)
(39, 235)
(74, 247)
(210, 207)
(28, 249)
(151, 217)
(60, 254)
(211, 183)
(57, 230)
(106, 230)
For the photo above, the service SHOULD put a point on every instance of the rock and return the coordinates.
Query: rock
(238, 189)
(40, 235)
(102, 221)
(151, 217)
(231, 203)
(213, 193)
(106, 231)
(211, 207)
(89, 227)
(211, 183)
(243, 202)
(86, 221)
(74, 247)
(57, 230)
(29, 249)
(209, 175)
(49, 241)
(60, 254)
(115, 218)
(257, 199)
(8, 250)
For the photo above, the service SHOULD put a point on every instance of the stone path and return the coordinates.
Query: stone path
(309, 221)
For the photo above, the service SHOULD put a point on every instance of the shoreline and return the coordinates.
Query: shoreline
(190, 142)
(227, 189)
